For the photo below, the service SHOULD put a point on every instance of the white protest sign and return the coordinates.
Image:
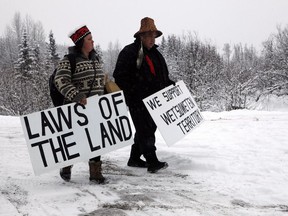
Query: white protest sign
(62, 136)
(174, 111)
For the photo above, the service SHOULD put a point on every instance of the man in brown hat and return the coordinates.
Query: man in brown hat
(141, 71)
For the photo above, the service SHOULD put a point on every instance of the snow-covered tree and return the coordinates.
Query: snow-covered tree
(25, 57)
(273, 78)
(53, 56)
(240, 75)
(197, 64)
(24, 79)
(171, 48)
(110, 57)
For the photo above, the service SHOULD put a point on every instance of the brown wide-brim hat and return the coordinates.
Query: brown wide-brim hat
(147, 25)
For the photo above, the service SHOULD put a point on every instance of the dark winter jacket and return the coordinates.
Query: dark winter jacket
(76, 86)
(139, 84)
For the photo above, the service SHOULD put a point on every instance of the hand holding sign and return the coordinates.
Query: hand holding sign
(71, 133)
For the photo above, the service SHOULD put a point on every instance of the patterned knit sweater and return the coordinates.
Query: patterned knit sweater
(76, 86)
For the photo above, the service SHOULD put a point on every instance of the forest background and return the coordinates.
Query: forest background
(226, 80)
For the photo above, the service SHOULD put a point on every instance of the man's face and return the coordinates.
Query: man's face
(148, 39)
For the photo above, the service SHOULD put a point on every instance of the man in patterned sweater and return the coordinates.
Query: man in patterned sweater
(88, 79)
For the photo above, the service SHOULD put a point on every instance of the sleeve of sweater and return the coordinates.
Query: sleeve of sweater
(63, 82)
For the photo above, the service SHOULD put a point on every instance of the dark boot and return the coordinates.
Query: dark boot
(137, 162)
(96, 172)
(153, 163)
(134, 160)
(65, 173)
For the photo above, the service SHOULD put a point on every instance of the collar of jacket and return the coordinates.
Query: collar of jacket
(138, 42)
(92, 54)
(141, 52)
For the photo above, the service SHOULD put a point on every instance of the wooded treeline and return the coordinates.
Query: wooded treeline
(218, 81)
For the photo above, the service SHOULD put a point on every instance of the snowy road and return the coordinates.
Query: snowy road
(235, 163)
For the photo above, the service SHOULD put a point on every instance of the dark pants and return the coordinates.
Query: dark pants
(144, 138)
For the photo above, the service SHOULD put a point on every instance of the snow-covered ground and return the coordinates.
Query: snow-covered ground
(235, 163)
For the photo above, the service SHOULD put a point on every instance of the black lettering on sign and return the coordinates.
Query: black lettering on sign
(60, 145)
(63, 147)
(169, 116)
(125, 121)
(29, 132)
(154, 103)
(114, 131)
(172, 93)
(92, 147)
(55, 125)
(106, 108)
(59, 149)
(40, 145)
(45, 123)
(60, 116)
(188, 123)
(177, 111)
(69, 145)
(104, 102)
(104, 135)
(116, 102)
(82, 115)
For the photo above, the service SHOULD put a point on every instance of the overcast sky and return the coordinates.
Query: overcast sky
(217, 21)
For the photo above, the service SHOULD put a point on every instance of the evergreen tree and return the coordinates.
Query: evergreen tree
(24, 72)
(25, 59)
(37, 63)
(99, 53)
(24, 81)
(52, 50)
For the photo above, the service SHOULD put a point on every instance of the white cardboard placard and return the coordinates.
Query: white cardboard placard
(64, 135)
(174, 111)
